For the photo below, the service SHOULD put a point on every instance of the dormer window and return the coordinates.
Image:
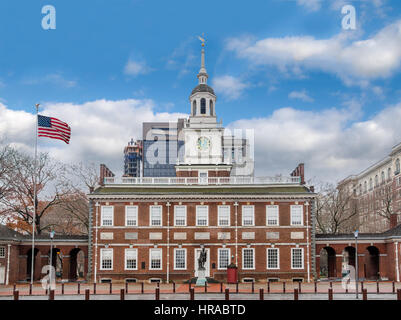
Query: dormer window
(203, 106)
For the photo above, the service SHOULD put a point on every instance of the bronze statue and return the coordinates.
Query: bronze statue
(202, 259)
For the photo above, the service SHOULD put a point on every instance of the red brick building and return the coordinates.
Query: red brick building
(69, 256)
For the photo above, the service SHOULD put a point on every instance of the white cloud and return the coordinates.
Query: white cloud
(53, 79)
(99, 129)
(311, 5)
(354, 61)
(230, 87)
(332, 142)
(302, 95)
(135, 68)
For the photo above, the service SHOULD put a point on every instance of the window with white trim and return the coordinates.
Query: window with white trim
(273, 258)
(180, 215)
(223, 215)
(272, 215)
(180, 259)
(107, 215)
(202, 215)
(297, 214)
(297, 258)
(131, 259)
(248, 215)
(155, 257)
(223, 258)
(248, 258)
(131, 215)
(106, 259)
(155, 215)
(2, 252)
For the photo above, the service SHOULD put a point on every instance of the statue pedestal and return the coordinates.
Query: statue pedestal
(200, 282)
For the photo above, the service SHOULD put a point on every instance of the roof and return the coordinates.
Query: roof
(391, 233)
(202, 88)
(8, 234)
(218, 190)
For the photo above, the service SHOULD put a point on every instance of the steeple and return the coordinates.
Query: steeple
(202, 75)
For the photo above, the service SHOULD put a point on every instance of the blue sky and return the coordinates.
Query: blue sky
(148, 51)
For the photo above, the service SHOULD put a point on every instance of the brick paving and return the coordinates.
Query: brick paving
(276, 289)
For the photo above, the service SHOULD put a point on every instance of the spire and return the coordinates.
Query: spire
(202, 75)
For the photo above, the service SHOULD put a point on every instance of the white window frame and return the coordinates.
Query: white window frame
(218, 257)
(243, 259)
(292, 258)
(302, 215)
(175, 258)
(267, 258)
(175, 216)
(161, 216)
(207, 216)
(219, 213)
(2, 252)
(102, 218)
(126, 216)
(253, 215)
(102, 256)
(136, 258)
(150, 259)
(277, 215)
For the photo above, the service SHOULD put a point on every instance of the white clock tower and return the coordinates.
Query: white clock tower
(203, 135)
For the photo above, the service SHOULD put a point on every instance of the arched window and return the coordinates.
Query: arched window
(211, 107)
(360, 188)
(397, 166)
(389, 174)
(365, 186)
(383, 177)
(203, 106)
(370, 184)
(376, 181)
(194, 107)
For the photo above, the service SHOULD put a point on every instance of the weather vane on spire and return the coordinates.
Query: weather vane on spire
(202, 39)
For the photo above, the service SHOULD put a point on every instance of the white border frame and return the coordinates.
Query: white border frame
(126, 216)
(229, 215)
(186, 220)
(218, 257)
(243, 260)
(175, 260)
(242, 215)
(302, 215)
(150, 216)
(303, 258)
(101, 216)
(101, 259)
(207, 216)
(125, 258)
(161, 258)
(278, 215)
(278, 258)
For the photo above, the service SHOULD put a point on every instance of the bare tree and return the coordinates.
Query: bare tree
(336, 211)
(386, 204)
(73, 210)
(18, 204)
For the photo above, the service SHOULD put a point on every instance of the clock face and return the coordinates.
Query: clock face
(203, 143)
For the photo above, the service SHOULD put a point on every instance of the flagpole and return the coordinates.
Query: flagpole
(34, 194)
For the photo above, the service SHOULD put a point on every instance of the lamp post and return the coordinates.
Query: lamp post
(51, 260)
(356, 262)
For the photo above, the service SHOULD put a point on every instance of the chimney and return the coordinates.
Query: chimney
(299, 172)
(393, 220)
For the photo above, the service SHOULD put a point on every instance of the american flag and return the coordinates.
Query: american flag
(53, 128)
